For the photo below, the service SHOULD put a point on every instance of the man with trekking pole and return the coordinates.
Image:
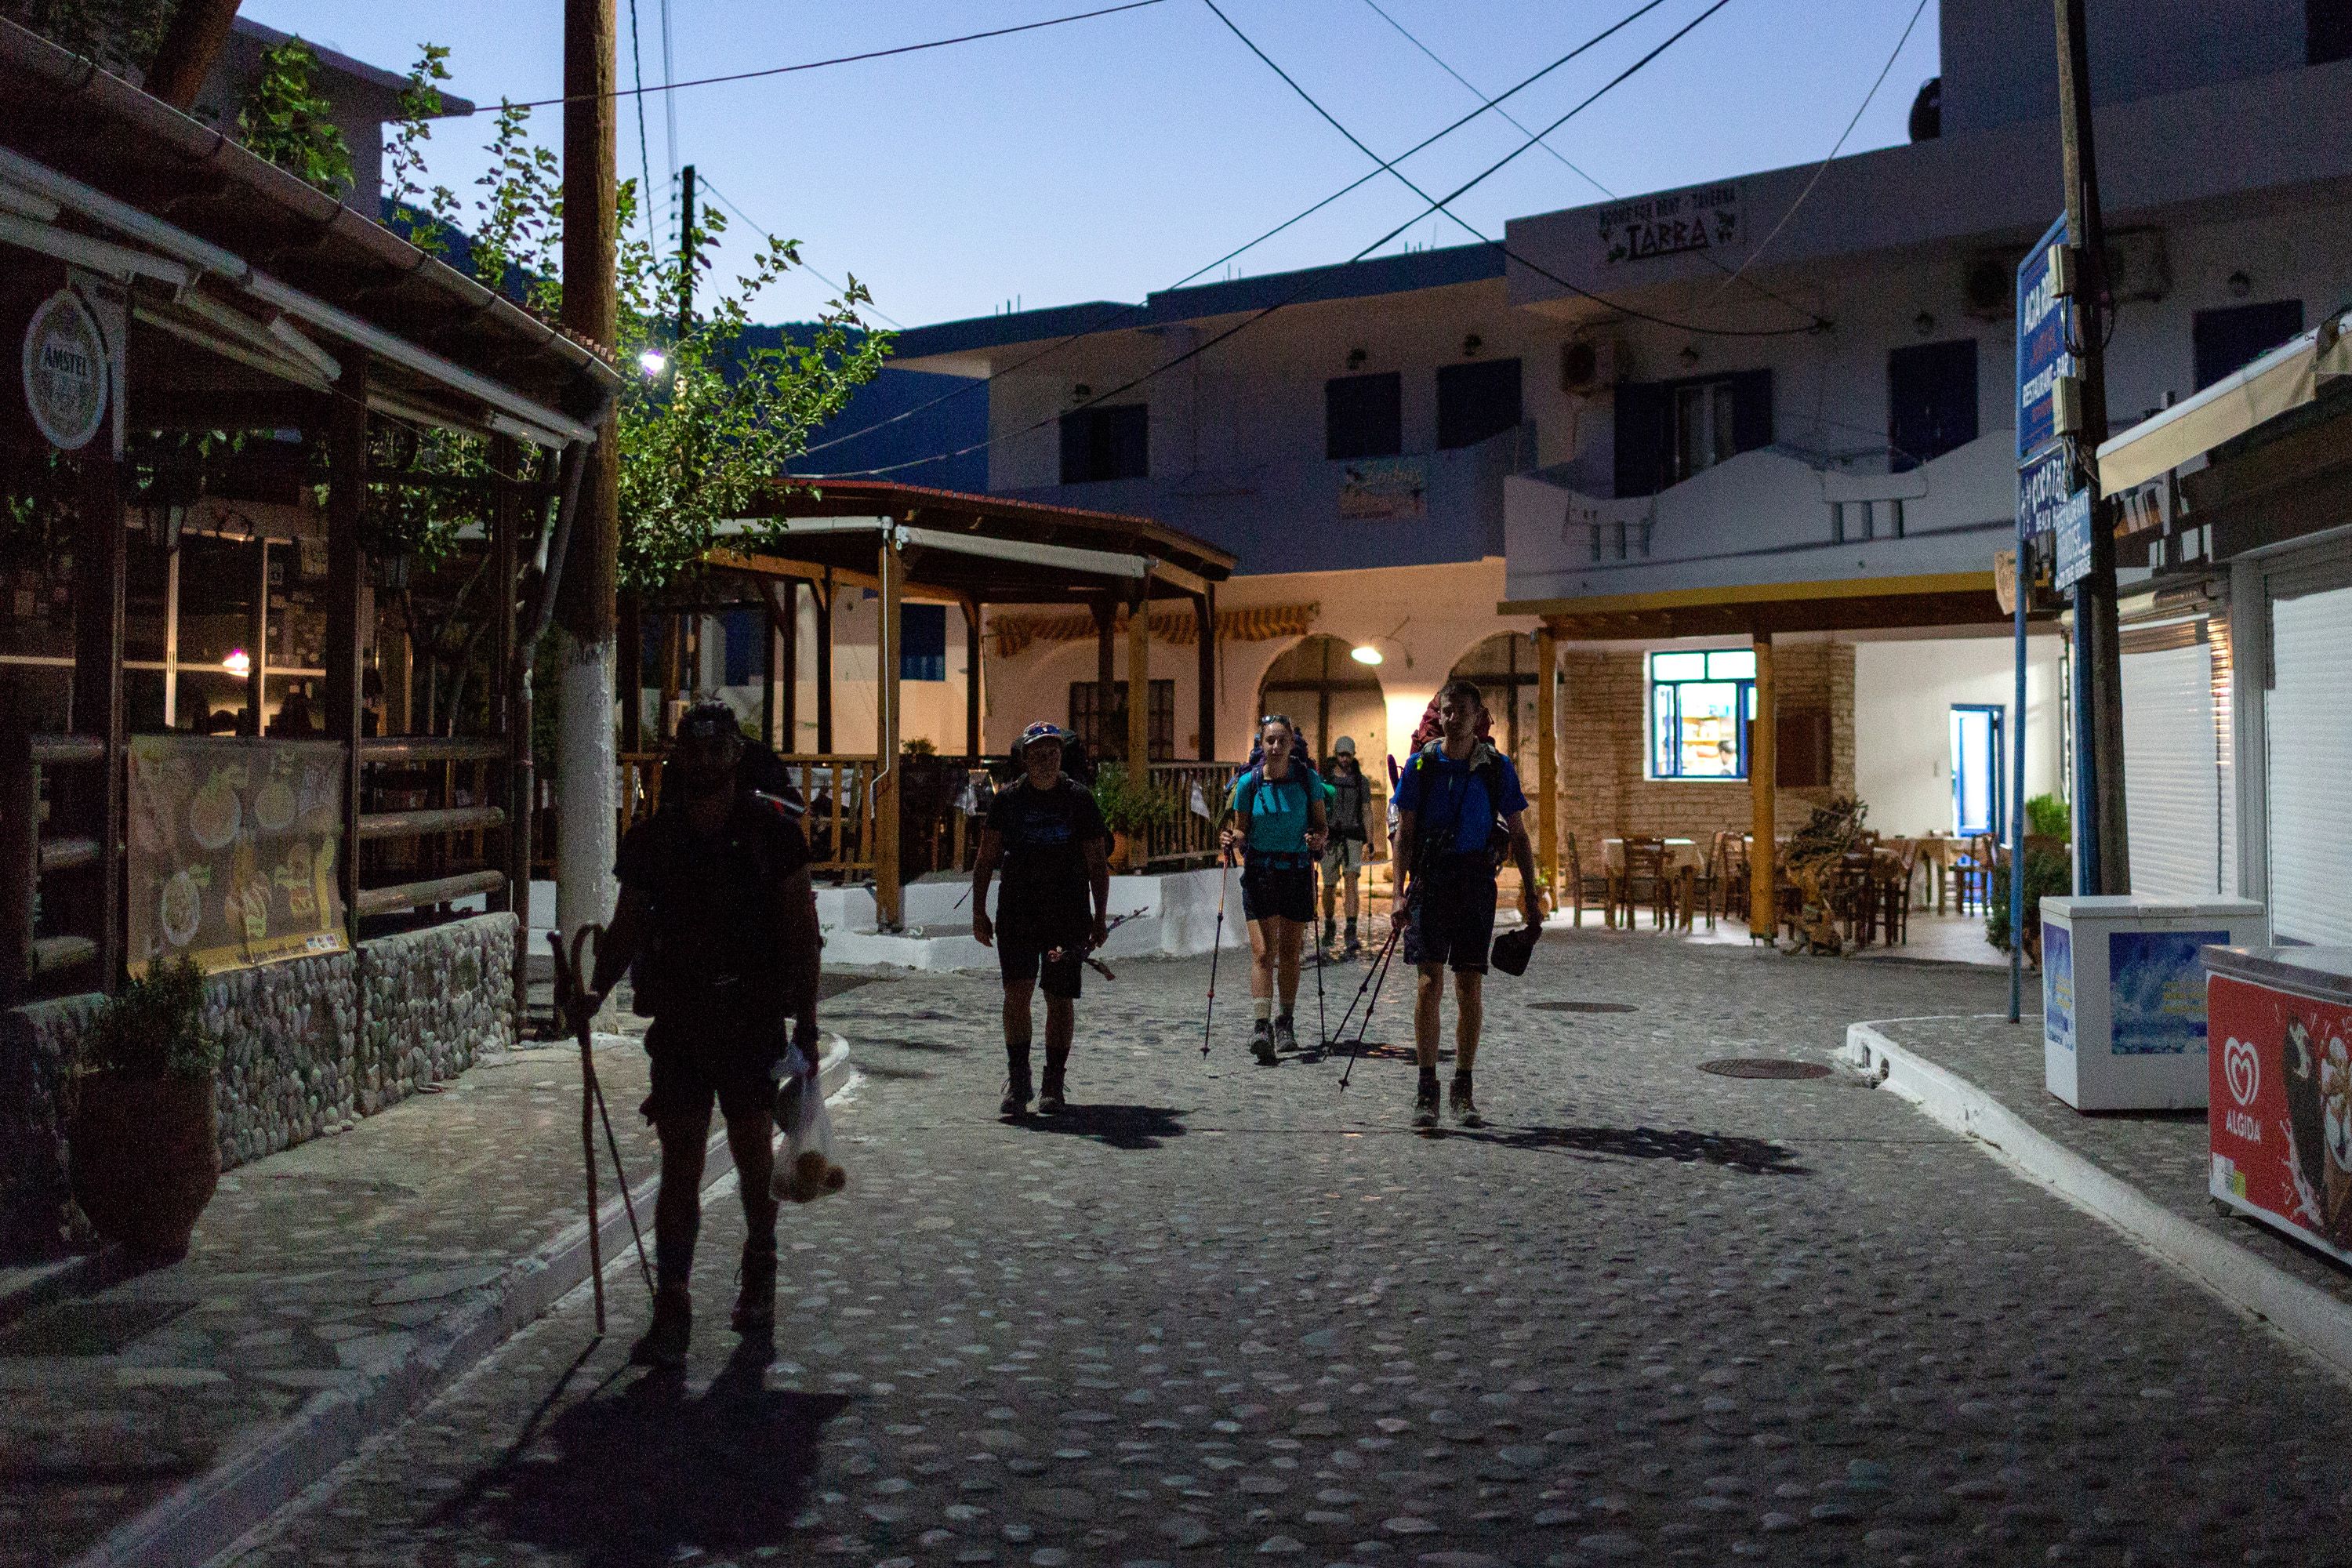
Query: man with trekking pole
(1459, 811)
(1350, 804)
(717, 924)
(1046, 833)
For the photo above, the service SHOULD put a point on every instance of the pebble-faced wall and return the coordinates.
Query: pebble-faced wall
(308, 1047)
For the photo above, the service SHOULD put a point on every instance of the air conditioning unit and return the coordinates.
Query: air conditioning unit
(2138, 267)
(1588, 366)
(1989, 283)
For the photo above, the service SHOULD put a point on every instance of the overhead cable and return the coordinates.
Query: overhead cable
(725, 201)
(1299, 290)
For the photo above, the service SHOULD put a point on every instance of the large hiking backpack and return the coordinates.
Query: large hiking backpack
(1486, 768)
(1253, 777)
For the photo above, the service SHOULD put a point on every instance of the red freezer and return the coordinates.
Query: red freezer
(2279, 1020)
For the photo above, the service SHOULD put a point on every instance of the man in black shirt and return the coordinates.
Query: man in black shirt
(1343, 856)
(1047, 833)
(717, 916)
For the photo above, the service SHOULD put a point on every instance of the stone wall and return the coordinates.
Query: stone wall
(308, 1047)
(1604, 750)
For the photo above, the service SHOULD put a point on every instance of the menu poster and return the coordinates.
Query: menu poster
(232, 847)
(2280, 1120)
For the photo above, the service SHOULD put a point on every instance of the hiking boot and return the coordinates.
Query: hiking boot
(1049, 1097)
(1262, 1043)
(1330, 931)
(1353, 950)
(1459, 1101)
(664, 1343)
(1425, 1102)
(1286, 1038)
(1016, 1092)
(755, 1294)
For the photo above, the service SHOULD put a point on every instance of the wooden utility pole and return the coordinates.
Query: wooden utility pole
(585, 604)
(2103, 850)
(191, 44)
(1139, 688)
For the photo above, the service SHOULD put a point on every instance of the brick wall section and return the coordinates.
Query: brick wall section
(1605, 747)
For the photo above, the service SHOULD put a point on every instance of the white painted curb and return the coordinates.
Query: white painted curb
(2306, 1315)
(202, 1519)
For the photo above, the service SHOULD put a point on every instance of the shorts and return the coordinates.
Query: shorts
(695, 1062)
(1342, 860)
(1023, 962)
(1452, 917)
(1286, 891)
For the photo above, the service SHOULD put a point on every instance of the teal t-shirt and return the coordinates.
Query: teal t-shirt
(1278, 810)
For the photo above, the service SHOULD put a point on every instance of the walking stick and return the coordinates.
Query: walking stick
(1216, 946)
(1378, 978)
(568, 971)
(1371, 970)
(1322, 1024)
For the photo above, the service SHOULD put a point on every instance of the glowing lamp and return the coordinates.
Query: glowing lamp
(1365, 653)
(652, 362)
(238, 662)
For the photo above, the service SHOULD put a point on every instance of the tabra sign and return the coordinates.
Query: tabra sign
(2072, 523)
(65, 372)
(2045, 334)
(1384, 489)
(1706, 217)
(232, 850)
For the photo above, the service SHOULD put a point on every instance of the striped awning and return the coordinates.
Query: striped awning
(1177, 626)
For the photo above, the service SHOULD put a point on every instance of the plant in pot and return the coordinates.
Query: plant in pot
(143, 1127)
(1130, 808)
(2047, 871)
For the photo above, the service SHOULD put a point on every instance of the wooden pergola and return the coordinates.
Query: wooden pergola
(229, 297)
(910, 542)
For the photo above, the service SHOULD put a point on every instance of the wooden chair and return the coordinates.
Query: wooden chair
(1646, 880)
(1733, 847)
(1896, 867)
(1972, 874)
(1583, 885)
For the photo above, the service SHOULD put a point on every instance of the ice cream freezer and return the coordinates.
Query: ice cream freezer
(2122, 996)
(2280, 1122)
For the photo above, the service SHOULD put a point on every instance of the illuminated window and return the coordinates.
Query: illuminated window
(1700, 707)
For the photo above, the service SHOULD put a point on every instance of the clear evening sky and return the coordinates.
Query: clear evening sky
(1106, 158)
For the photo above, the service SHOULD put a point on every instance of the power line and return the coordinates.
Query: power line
(669, 113)
(1475, 233)
(1707, 256)
(670, 87)
(1917, 13)
(644, 155)
(727, 202)
(1299, 290)
(1103, 321)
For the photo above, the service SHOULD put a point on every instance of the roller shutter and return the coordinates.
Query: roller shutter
(2172, 764)
(2307, 745)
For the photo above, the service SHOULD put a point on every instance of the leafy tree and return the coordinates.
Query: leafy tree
(121, 35)
(285, 119)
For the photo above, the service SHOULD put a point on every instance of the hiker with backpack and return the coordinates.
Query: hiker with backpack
(1046, 833)
(1277, 823)
(717, 928)
(1460, 811)
(1348, 800)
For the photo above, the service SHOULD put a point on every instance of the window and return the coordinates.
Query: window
(1931, 402)
(742, 628)
(1105, 734)
(922, 642)
(2326, 31)
(1667, 431)
(2228, 341)
(1700, 705)
(1363, 415)
(1476, 401)
(1106, 444)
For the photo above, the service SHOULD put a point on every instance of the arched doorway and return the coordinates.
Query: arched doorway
(1328, 694)
(1504, 666)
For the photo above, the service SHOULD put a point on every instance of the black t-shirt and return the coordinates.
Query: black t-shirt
(1044, 870)
(716, 906)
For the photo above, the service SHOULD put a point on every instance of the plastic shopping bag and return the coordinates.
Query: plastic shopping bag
(807, 1170)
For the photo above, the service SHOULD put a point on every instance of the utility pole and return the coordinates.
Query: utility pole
(2102, 850)
(585, 764)
(685, 251)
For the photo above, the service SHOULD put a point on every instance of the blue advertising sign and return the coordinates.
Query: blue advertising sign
(2044, 483)
(2057, 986)
(2045, 327)
(2156, 988)
(2072, 524)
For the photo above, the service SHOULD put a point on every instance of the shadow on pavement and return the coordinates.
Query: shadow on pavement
(1753, 1155)
(649, 1475)
(1120, 1126)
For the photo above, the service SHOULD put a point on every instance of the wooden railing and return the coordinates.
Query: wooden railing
(1185, 837)
(32, 966)
(446, 844)
(836, 794)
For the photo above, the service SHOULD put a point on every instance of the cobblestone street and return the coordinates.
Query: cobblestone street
(1217, 1312)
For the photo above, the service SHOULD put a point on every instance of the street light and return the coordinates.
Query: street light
(653, 362)
(1365, 653)
(238, 663)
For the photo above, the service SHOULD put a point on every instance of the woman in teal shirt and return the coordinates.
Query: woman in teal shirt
(1278, 822)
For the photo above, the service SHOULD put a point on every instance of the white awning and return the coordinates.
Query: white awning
(2285, 378)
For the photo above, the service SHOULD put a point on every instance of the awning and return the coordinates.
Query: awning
(2285, 378)
(1177, 628)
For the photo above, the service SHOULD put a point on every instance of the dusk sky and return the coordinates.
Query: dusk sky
(1108, 158)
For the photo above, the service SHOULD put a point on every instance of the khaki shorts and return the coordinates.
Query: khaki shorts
(1342, 859)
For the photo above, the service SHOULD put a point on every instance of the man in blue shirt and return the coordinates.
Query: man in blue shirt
(1459, 808)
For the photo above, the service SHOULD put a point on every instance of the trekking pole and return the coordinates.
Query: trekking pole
(568, 973)
(567, 997)
(1322, 1024)
(1363, 985)
(1216, 946)
(1378, 978)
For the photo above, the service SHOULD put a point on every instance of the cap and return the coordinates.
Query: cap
(1043, 729)
(708, 723)
(1514, 948)
(1345, 746)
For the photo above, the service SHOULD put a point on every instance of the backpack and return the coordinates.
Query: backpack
(1486, 768)
(1308, 779)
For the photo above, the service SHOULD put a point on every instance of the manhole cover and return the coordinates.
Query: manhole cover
(88, 1328)
(1763, 1067)
(1580, 1007)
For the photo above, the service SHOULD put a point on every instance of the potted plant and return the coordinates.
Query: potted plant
(2047, 871)
(1130, 810)
(144, 1130)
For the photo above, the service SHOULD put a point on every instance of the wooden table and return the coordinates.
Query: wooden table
(1684, 860)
